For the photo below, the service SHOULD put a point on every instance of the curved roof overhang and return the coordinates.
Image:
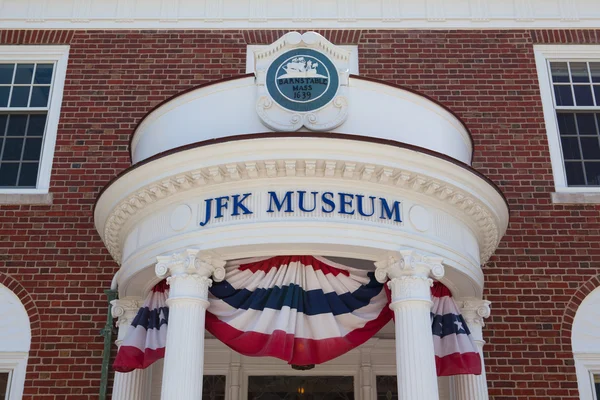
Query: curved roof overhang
(227, 108)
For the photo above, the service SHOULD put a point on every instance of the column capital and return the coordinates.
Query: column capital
(409, 275)
(125, 310)
(474, 311)
(189, 273)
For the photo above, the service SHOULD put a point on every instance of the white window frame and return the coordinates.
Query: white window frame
(40, 54)
(543, 55)
(16, 364)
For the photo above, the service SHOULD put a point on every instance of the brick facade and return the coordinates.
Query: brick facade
(53, 259)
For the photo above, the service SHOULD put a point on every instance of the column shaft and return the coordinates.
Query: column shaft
(131, 385)
(184, 354)
(415, 359)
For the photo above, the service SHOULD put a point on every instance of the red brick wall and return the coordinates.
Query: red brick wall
(52, 257)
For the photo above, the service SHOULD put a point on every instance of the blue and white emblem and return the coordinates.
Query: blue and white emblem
(302, 80)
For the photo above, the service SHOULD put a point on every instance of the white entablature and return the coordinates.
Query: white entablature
(274, 14)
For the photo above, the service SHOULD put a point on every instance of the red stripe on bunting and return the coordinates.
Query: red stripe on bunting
(279, 261)
(130, 358)
(296, 351)
(458, 364)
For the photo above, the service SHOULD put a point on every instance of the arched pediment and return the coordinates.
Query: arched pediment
(585, 336)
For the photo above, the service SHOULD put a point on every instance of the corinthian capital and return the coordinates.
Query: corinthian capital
(125, 310)
(408, 263)
(190, 273)
(409, 275)
(190, 262)
(474, 311)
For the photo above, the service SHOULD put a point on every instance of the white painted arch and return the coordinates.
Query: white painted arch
(585, 341)
(15, 340)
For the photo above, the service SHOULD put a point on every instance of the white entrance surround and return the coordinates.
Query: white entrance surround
(391, 184)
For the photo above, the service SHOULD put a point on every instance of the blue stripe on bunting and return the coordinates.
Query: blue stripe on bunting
(448, 324)
(311, 302)
(151, 319)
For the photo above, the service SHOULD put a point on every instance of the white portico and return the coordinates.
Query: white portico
(377, 174)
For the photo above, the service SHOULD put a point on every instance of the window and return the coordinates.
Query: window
(4, 384)
(301, 387)
(597, 387)
(570, 87)
(31, 85)
(387, 387)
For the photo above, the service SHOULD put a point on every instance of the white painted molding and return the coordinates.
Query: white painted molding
(273, 14)
(446, 185)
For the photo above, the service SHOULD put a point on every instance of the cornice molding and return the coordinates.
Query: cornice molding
(261, 14)
(488, 227)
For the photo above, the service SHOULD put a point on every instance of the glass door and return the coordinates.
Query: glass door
(300, 388)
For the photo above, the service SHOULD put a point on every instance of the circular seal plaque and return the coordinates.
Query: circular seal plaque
(302, 80)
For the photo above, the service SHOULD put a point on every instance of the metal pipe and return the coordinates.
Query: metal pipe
(107, 333)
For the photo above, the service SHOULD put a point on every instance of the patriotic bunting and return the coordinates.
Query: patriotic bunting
(147, 336)
(455, 350)
(301, 309)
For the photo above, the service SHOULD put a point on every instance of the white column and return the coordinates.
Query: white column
(189, 280)
(473, 387)
(132, 385)
(410, 284)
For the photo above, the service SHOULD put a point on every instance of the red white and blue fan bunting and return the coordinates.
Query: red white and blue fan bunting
(301, 309)
(147, 336)
(455, 350)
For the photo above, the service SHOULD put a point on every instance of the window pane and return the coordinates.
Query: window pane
(8, 174)
(16, 125)
(33, 147)
(387, 387)
(595, 69)
(4, 379)
(20, 96)
(566, 124)
(586, 124)
(591, 148)
(24, 74)
(37, 124)
(583, 95)
(563, 95)
(12, 149)
(300, 387)
(592, 171)
(3, 120)
(43, 74)
(574, 173)
(560, 72)
(213, 387)
(579, 72)
(597, 94)
(4, 93)
(570, 147)
(39, 96)
(6, 73)
(28, 176)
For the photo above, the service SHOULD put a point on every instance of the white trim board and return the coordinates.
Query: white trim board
(273, 14)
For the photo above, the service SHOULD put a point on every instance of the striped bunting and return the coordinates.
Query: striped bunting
(455, 350)
(301, 309)
(147, 336)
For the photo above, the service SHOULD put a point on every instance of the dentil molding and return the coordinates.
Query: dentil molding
(457, 198)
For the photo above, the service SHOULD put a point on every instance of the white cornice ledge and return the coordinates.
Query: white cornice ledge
(249, 14)
(466, 195)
